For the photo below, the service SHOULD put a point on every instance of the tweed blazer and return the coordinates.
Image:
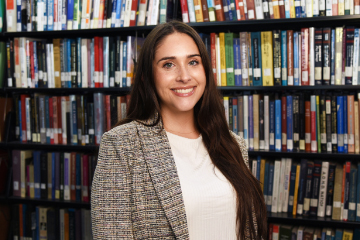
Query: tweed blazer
(136, 191)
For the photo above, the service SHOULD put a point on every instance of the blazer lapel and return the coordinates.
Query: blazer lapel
(162, 169)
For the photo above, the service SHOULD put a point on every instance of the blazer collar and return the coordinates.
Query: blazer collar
(163, 172)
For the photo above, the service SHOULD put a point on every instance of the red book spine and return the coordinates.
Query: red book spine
(73, 176)
(23, 117)
(96, 62)
(101, 63)
(55, 119)
(32, 70)
(107, 108)
(213, 54)
(270, 231)
(283, 124)
(184, 11)
(242, 9)
(282, 9)
(251, 9)
(219, 11)
(59, 118)
(134, 6)
(346, 189)
(307, 126)
(85, 180)
(304, 56)
(51, 120)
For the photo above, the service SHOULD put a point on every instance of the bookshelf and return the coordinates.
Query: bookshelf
(234, 26)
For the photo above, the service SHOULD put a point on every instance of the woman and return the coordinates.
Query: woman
(172, 169)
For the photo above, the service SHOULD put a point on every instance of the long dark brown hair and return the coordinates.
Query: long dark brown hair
(210, 119)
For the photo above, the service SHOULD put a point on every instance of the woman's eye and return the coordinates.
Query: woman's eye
(168, 65)
(194, 62)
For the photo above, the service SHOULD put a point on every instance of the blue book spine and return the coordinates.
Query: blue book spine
(256, 58)
(122, 13)
(332, 62)
(237, 62)
(78, 58)
(92, 62)
(20, 124)
(287, 12)
(231, 13)
(50, 13)
(45, 22)
(297, 9)
(356, 233)
(18, 16)
(226, 10)
(272, 125)
(266, 182)
(340, 123)
(68, 52)
(78, 177)
(270, 187)
(235, 116)
(36, 158)
(36, 66)
(37, 223)
(251, 123)
(289, 123)
(70, 11)
(283, 58)
(115, 12)
(345, 125)
(303, 10)
(74, 122)
(338, 234)
(25, 220)
(124, 64)
(53, 175)
(352, 194)
(258, 168)
(278, 125)
(296, 59)
(292, 188)
(63, 14)
(358, 192)
(47, 119)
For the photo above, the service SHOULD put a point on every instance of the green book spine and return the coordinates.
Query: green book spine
(230, 77)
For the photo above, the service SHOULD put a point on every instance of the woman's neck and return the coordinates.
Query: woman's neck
(181, 124)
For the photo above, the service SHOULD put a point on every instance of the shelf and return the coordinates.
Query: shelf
(3, 145)
(60, 91)
(288, 218)
(308, 155)
(46, 202)
(291, 88)
(245, 25)
(52, 147)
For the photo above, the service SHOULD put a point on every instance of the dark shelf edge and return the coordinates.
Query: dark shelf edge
(48, 202)
(305, 155)
(51, 147)
(67, 90)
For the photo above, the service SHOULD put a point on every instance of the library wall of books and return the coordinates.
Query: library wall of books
(288, 71)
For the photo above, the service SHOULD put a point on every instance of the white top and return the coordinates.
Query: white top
(209, 198)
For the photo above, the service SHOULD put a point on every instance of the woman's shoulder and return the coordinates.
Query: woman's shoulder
(126, 130)
(243, 148)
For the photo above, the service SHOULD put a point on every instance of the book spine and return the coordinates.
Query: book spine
(355, 62)
(346, 190)
(318, 56)
(305, 56)
(296, 59)
(296, 123)
(351, 123)
(289, 120)
(229, 60)
(283, 123)
(266, 123)
(266, 56)
(323, 188)
(340, 124)
(278, 138)
(277, 57)
(244, 59)
(349, 54)
(313, 124)
(251, 123)
(256, 58)
(338, 58)
(315, 188)
(284, 80)
(308, 188)
(328, 123)
(237, 62)
(290, 57)
(301, 122)
(272, 125)
(246, 119)
(326, 61)
(261, 125)
(302, 186)
(323, 130)
(352, 194)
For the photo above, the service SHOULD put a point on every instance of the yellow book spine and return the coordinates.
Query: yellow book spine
(262, 174)
(276, 9)
(267, 58)
(198, 11)
(292, 9)
(222, 59)
(348, 234)
(341, 8)
(338, 55)
(296, 190)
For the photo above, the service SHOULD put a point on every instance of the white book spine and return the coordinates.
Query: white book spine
(259, 10)
(155, 13)
(355, 57)
(149, 10)
(23, 67)
(129, 54)
(329, 7)
(67, 166)
(226, 107)
(27, 117)
(83, 14)
(309, 8)
(323, 189)
(266, 122)
(281, 184)
(106, 62)
(127, 13)
(246, 119)
(57, 26)
(218, 61)
(300, 233)
(95, 21)
(275, 194)
(52, 70)
(254, 167)
(191, 10)
(316, 8)
(84, 63)
(142, 13)
(322, 6)
(63, 119)
(312, 56)
(286, 184)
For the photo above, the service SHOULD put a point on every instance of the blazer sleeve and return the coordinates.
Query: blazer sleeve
(111, 193)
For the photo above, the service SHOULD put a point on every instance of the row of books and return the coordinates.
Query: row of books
(310, 188)
(74, 119)
(296, 122)
(39, 222)
(52, 175)
(50, 15)
(72, 63)
(312, 56)
(283, 231)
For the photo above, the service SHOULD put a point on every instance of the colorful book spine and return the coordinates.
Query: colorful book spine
(278, 125)
(296, 59)
(284, 58)
(237, 62)
(289, 120)
(256, 58)
(340, 123)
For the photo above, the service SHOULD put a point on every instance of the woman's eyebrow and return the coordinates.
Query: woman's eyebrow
(173, 57)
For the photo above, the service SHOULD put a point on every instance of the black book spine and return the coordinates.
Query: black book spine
(62, 63)
(74, 83)
(43, 175)
(12, 61)
(265, 5)
(15, 222)
(117, 63)
(261, 125)
(40, 64)
(318, 56)
(17, 119)
(50, 215)
(328, 123)
(330, 190)
(326, 55)
(33, 119)
(315, 188)
(308, 188)
(91, 124)
(333, 124)
(112, 53)
(9, 82)
(230, 114)
(68, 124)
(71, 224)
(277, 57)
(349, 55)
(113, 110)
(256, 59)
(86, 126)
(301, 122)
(109, 10)
(43, 50)
(323, 123)
(296, 123)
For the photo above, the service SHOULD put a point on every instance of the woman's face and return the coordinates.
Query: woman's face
(179, 73)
